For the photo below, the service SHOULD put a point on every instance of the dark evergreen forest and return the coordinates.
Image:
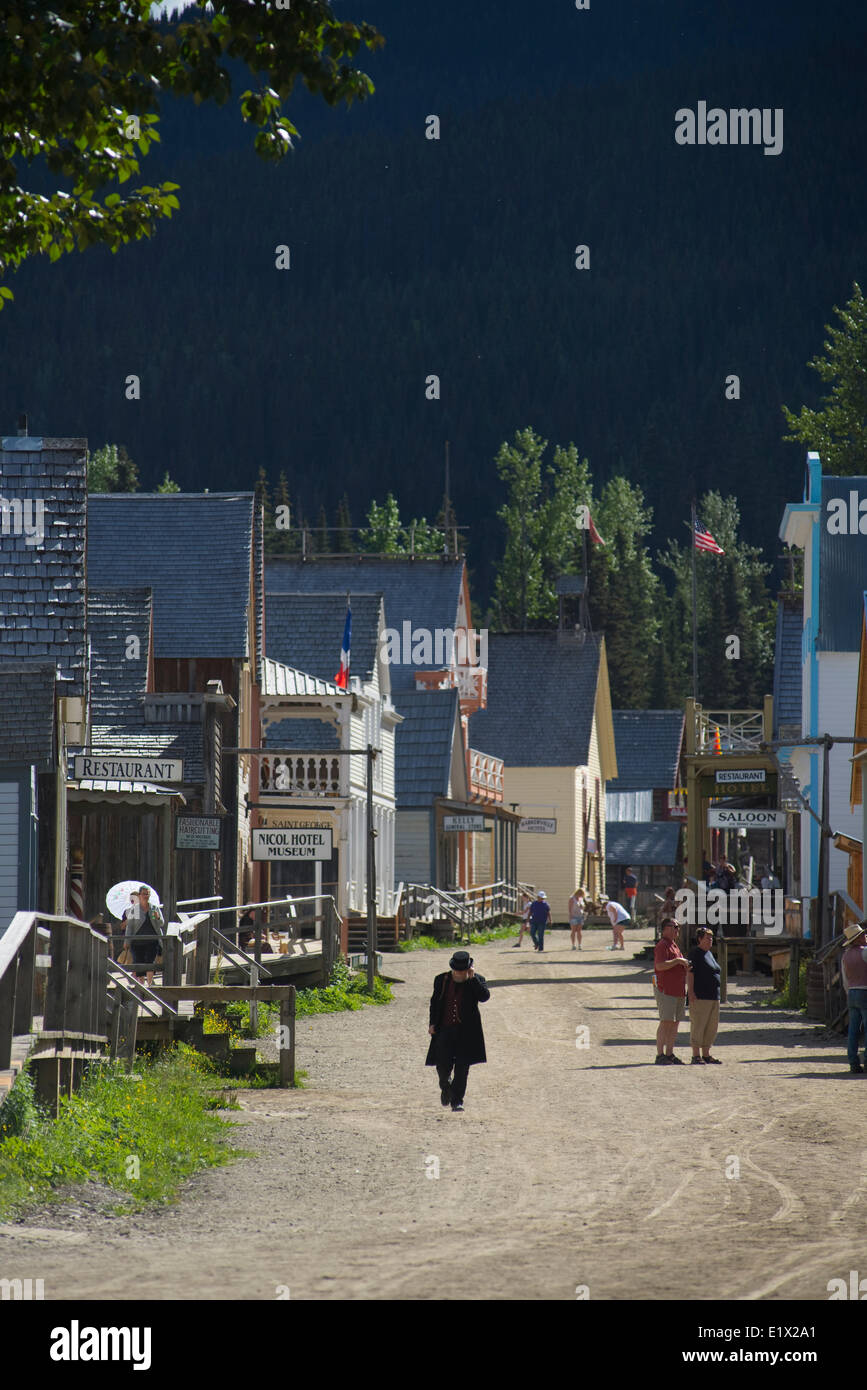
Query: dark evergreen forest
(456, 257)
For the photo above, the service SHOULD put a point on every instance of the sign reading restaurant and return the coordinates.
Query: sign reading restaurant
(739, 774)
(291, 843)
(109, 769)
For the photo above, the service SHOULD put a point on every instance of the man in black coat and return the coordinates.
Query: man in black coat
(456, 1037)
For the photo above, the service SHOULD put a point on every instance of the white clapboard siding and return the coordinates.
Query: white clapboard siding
(9, 792)
(838, 683)
(412, 847)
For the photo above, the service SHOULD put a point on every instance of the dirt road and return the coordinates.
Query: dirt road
(571, 1166)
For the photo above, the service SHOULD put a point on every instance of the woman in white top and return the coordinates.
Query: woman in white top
(617, 915)
(577, 911)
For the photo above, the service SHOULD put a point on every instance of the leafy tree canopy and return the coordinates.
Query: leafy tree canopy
(80, 86)
(110, 469)
(838, 431)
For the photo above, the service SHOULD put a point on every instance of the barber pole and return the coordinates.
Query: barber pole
(76, 885)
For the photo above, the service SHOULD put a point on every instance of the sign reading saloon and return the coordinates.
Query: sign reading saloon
(741, 818)
(291, 843)
(108, 769)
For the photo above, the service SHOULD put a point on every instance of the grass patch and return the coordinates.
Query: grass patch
(141, 1137)
(784, 1000)
(346, 989)
(477, 938)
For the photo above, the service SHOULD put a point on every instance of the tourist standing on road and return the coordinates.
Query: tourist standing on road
(540, 916)
(630, 889)
(525, 921)
(703, 989)
(669, 988)
(853, 968)
(456, 1038)
(769, 879)
(144, 932)
(577, 913)
(617, 915)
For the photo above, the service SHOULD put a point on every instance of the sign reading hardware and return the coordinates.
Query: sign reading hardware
(463, 823)
(109, 769)
(538, 825)
(739, 774)
(748, 819)
(197, 832)
(291, 843)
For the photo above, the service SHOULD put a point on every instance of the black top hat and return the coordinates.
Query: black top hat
(461, 960)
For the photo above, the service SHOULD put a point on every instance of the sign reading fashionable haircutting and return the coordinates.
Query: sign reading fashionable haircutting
(109, 769)
(747, 818)
(538, 825)
(291, 843)
(197, 832)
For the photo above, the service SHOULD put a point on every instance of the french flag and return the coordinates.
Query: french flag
(342, 677)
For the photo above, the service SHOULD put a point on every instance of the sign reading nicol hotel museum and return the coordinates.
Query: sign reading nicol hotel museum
(291, 842)
(106, 768)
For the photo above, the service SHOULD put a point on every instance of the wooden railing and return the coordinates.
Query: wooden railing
(486, 775)
(304, 775)
(468, 908)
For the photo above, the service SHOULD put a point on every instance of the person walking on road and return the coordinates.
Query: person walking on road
(703, 990)
(577, 913)
(670, 968)
(630, 889)
(540, 916)
(617, 915)
(456, 1038)
(145, 927)
(853, 968)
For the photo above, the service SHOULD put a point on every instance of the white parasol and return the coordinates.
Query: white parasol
(117, 898)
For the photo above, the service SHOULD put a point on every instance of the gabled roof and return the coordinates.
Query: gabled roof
(118, 679)
(842, 567)
(648, 743)
(424, 593)
(641, 842)
(541, 699)
(424, 745)
(305, 631)
(42, 613)
(787, 661)
(27, 712)
(153, 741)
(278, 679)
(194, 550)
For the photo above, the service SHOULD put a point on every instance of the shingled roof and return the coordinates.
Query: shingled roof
(425, 593)
(43, 487)
(27, 713)
(119, 684)
(842, 567)
(194, 550)
(305, 631)
(641, 842)
(423, 745)
(648, 743)
(787, 661)
(541, 699)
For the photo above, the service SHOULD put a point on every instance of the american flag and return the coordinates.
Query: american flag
(705, 541)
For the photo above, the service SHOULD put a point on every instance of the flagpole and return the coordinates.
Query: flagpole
(694, 612)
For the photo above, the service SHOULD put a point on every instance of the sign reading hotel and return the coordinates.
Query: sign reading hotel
(538, 825)
(109, 769)
(476, 823)
(291, 843)
(739, 774)
(745, 818)
(197, 832)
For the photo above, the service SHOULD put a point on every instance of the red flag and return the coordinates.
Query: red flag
(594, 534)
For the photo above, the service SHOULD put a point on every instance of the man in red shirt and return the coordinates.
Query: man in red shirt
(669, 987)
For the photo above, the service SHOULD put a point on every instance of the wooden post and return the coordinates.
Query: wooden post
(114, 1026)
(172, 957)
(7, 1012)
(55, 989)
(724, 970)
(254, 1003)
(22, 1021)
(77, 1013)
(129, 1028)
(287, 1039)
(794, 972)
(202, 961)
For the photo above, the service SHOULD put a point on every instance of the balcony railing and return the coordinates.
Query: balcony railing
(302, 775)
(738, 730)
(486, 776)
